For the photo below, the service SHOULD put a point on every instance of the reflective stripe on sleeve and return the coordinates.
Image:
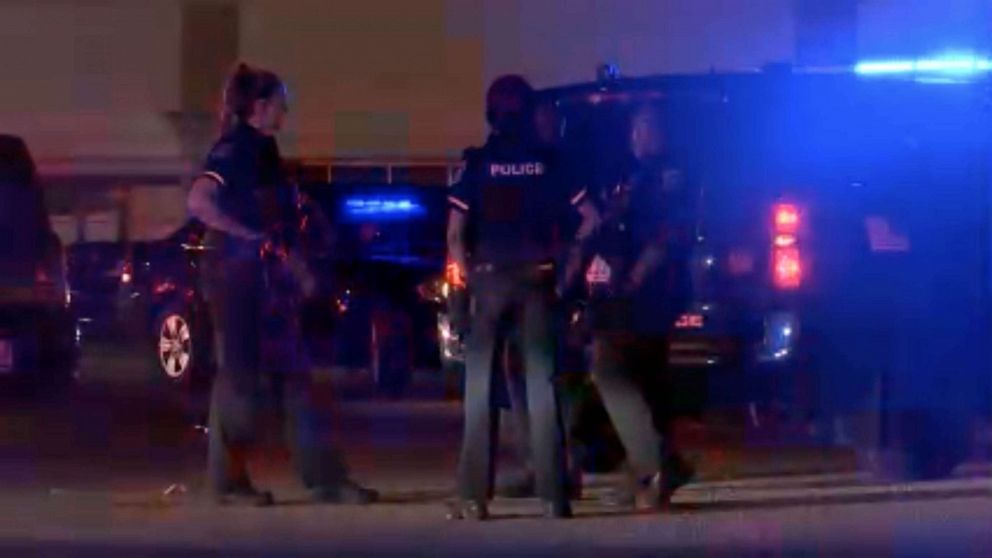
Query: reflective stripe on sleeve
(216, 177)
(578, 198)
(458, 203)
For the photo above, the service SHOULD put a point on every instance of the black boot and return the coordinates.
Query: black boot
(657, 491)
(246, 496)
(468, 509)
(347, 492)
(677, 473)
(561, 509)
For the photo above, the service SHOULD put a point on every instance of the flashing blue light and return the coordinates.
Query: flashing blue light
(384, 207)
(892, 67)
(958, 66)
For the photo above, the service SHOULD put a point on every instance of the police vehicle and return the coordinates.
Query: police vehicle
(841, 271)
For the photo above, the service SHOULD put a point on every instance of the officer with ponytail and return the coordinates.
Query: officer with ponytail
(248, 206)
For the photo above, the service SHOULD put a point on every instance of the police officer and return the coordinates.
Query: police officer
(233, 197)
(639, 275)
(571, 375)
(509, 201)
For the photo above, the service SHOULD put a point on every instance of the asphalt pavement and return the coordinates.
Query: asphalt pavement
(115, 469)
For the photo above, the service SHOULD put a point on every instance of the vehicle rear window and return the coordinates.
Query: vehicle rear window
(385, 221)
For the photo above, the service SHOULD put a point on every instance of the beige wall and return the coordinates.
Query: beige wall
(89, 77)
(378, 76)
(407, 77)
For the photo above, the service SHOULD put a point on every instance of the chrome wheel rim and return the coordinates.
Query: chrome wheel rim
(175, 347)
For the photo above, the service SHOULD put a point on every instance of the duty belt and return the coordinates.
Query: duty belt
(493, 268)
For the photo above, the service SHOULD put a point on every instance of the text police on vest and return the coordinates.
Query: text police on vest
(516, 169)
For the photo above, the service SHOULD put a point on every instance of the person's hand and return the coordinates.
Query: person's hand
(306, 280)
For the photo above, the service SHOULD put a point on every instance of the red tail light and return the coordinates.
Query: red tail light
(787, 262)
(127, 273)
(786, 219)
(787, 268)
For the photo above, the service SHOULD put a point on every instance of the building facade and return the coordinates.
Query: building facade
(117, 87)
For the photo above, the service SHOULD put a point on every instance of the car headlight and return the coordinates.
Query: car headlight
(781, 334)
(434, 290)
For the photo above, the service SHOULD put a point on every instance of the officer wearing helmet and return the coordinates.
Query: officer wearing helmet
(504, 239)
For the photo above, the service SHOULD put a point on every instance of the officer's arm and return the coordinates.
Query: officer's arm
(651, 257)
(457, 224)
(460, 198)
(590, 221)
(202, 204)
(654, 251)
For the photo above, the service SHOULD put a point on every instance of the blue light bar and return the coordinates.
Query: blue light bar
(959, 66)
(886, 67)
(382, 207)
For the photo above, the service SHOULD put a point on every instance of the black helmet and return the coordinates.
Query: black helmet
(509, 104)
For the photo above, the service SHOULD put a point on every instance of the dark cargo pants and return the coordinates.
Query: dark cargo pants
(629, 370)
(529, 296)
(254, 369)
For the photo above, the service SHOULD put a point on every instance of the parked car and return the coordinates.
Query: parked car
(38, 337)
(389, 240)
(365, 312)
(148, 293)
(841, 263)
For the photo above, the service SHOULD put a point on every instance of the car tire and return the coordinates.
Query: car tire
(911, 445)
(391, 353)
(59, 362)
(182, 358)
(929, 447)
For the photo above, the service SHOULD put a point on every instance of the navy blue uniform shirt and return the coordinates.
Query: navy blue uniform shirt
(653, 205)
(244, 163)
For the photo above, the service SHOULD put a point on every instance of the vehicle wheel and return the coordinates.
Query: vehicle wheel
(929, 445)
(391, 353)
(182, 358)
(910, 445)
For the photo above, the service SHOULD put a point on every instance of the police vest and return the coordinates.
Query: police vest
(516, 213)
(633, 211)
